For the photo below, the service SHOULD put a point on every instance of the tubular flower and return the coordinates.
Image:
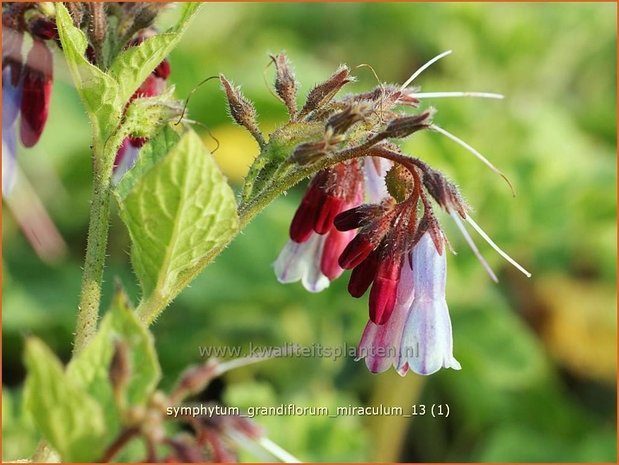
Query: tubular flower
(312, 230)
(26, 84)
(370, 209)
(426, 341)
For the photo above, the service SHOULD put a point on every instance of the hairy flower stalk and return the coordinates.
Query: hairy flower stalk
(368, 208)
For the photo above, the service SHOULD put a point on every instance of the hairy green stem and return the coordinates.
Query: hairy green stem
(92, 276)
(94, 262)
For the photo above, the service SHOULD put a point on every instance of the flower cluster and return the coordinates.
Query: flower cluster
(29, 30)
(27, 77)
(368, 208)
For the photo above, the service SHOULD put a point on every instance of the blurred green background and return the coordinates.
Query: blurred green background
(538, 379)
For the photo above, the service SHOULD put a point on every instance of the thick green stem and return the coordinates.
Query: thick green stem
(94, 262)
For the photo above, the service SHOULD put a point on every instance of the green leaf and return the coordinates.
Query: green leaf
(91, 367)
(131, 67)
(156, 149)
(98, 91)
(176, 212)
(67, 416)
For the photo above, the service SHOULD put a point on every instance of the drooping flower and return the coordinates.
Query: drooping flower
(427, 343)
(26, 86)
(11, 98)
(312, 230)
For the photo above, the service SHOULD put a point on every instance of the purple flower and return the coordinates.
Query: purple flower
(427, 344)
(11, 98)
(301, 262)
(26, 93)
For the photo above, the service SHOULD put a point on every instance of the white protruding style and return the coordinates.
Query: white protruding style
(503, 254)
(490, 95)
(423, 68)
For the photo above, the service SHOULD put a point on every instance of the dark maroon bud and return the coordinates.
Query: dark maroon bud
(162, 70)
(37, 91)
(353, 218)
(355, 252)
(407, 125)
(241, 109)
(302, 224)
(90, 54)
(138, 142)
(328, 208)
(43, 28)
(363, 275)
(285, 83)
(340, 122)
(384, 290)
(323, 93)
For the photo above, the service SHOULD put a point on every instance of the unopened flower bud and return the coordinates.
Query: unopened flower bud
(43, 28)
(444, 192)
(285, 83)
(241, 109)
(340, 122)
(384, 290)
(356, 251)
(356, 217)
(363, 274)
(309, 151)
(162, 70)
(323, 93)
(407, 125)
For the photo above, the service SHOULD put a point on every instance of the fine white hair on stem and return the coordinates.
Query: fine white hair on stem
(423, 68)
(490, 95)
(496, 247)
(483, 159)
(469, 241)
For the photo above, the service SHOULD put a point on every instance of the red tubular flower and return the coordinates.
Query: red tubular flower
(330, 192)
(362, 275)
(302, 224)
(384, 290)
(334, 244)
(356, 252)
(37, 90)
